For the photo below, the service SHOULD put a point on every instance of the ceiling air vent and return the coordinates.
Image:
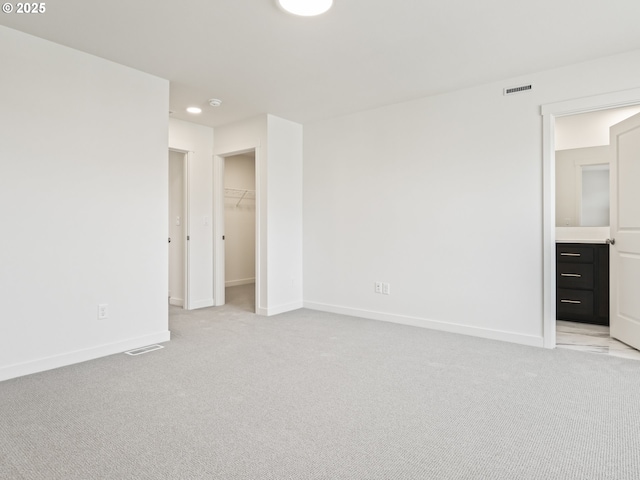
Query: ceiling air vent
(513, 90)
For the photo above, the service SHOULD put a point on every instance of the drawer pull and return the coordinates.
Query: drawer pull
(563, 254)
(576, 275)
(571, 301)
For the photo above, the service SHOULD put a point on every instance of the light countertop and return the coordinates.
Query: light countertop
(582, 234)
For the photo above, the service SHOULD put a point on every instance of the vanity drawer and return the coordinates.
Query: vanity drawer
(574, 302)
(574, 275)
(582, 282)
(574, 253)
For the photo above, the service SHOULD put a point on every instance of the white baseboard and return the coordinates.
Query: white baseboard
(284, 308)
(208, 302)
(242, 281)
(530, 340)
(78, 356)
(178, 302)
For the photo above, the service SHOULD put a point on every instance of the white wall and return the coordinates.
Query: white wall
(240, 220)
(442, 198)
(198, 141)
(284, 179)
(83, 195)
(176, 228)
(278, 147)
(589, 129)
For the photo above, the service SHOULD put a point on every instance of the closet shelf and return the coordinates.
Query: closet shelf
(240, 193)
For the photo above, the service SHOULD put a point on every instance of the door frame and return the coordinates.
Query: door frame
(549, 113)
(218, 226)
(185, 221)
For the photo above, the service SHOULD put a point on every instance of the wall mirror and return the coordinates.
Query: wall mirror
(582, 187)
(594, 197)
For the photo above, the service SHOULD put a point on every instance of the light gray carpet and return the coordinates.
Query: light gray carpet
(310, 395)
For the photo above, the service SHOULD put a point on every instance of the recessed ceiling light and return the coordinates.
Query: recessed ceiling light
(305, 8)
(194, 110)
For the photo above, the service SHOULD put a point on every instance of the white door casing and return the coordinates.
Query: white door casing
(625, 230)
(549, 113)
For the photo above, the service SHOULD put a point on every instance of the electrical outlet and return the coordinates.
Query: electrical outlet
(103, 311)
(378, 287)
(386, 288)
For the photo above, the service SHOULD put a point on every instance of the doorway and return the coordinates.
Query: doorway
(550, 113)
(240, 228)
(237, 223)
(178, 291)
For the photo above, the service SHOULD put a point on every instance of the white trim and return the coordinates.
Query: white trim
(550, 112)
(262, 282)
(289, 307)
(242, 281)
(207, 302)
(178, 302)
(530, 340)
(56, 361)
(549, 232)
(594, 103)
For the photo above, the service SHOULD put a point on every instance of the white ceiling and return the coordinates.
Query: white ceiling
(360, 55)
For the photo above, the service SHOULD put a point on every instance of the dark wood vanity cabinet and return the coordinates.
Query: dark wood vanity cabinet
(582, 282)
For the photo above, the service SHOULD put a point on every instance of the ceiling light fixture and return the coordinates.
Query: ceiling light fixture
(194, 110)
(305, 8)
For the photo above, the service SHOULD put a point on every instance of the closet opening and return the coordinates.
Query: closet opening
(240, 229)
(235, 259)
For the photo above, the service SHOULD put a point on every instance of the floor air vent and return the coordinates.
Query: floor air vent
(141, 350)
(520, 89)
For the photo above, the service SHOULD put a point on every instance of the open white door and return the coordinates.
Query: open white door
(178, 222)
(625, 231)
(218, 232)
